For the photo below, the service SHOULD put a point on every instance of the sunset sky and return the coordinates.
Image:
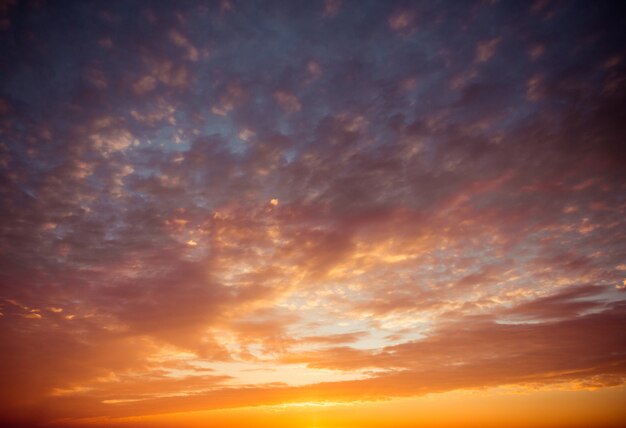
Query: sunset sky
(312, 214)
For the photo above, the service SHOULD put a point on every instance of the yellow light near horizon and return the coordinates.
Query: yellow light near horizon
(486, 408)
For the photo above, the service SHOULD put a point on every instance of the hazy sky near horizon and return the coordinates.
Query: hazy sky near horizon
(221, 205)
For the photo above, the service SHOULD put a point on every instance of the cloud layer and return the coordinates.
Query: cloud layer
(223, 204)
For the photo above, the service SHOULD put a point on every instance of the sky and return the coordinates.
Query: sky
(312, 214)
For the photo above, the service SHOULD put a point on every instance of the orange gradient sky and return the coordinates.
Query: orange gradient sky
(312, 214)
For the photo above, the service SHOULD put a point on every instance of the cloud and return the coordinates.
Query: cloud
(405, 198)
(486, 49)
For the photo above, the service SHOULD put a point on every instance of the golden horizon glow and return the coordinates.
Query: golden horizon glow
(472, 408)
